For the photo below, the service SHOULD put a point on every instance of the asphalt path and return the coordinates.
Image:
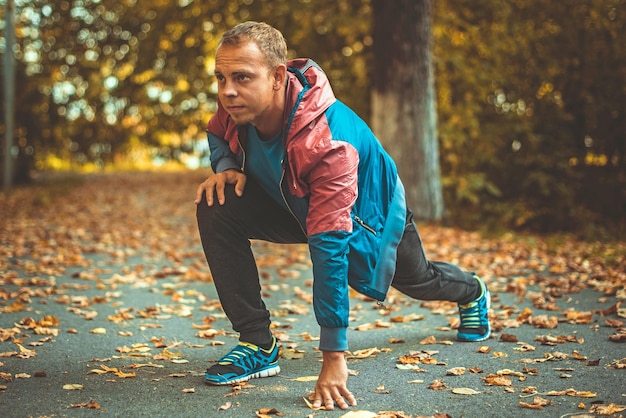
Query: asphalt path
(135, 334)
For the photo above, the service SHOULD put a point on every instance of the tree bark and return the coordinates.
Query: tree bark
(404, 103)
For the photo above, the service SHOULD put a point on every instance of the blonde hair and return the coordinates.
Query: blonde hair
(269, 40)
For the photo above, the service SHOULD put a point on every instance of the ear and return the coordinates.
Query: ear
(280, 76)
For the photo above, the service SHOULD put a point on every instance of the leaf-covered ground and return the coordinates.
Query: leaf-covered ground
(103, 283)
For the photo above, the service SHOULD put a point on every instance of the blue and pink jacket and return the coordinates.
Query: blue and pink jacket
(351, 200)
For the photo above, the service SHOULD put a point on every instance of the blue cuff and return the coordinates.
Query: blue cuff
(226, 163)
(333, 339)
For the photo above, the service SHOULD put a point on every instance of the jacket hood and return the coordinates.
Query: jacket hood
(308, 95)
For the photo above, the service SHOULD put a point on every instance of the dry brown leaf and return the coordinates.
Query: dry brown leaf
(613, 323)
(88, 405)
(619, 336)
(607, 409)
(509, 338)
(537, 403)
(437, 385)
(572, 392)
(496, 380)
(456, 371)
(429, 340)
(366, 353)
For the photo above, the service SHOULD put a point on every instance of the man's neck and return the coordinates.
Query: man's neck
(272, 121)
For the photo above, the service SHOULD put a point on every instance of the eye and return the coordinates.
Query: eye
(243, 77)
(219, 77)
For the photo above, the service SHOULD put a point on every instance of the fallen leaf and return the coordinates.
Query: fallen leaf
(292, 354)
(437, 385)
(496, 380)
(381, 390)
(456, 371)
(310, 406)
(572, 392)
(428, 340)
(225, 407)
(73, 386)
(369, 352)
(509, 338)
(360, 414)
(537, 403)
(305, 379)
(88, 405)
(607, 409)
(465, 391)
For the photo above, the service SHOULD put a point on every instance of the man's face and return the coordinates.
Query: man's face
(245, 83)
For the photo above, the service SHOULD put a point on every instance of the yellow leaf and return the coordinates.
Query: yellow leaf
(99, 331)
(123, 375)
(305, 379)
(293, 354)
(97, 371)
(73, 386)
(310, 405)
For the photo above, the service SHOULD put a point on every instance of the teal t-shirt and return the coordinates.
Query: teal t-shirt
(264, 163)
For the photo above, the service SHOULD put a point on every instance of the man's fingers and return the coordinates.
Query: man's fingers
(329, 401)
(219, 191)
(349, 397)
(200, 191)
(240, 185)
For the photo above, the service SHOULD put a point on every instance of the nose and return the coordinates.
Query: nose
(228, 88)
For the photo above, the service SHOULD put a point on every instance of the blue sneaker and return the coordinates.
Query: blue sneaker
(244, 362)
(475, 317)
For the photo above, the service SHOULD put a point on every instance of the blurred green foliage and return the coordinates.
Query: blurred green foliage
(531, 95)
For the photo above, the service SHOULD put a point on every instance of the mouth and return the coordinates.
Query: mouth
(234, 109)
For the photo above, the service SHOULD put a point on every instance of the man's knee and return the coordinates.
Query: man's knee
(206, 213)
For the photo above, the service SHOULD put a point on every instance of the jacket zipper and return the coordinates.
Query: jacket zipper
(282, 193)
(364, 225)
(243, 153)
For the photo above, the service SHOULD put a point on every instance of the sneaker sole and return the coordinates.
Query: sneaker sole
(269, 372)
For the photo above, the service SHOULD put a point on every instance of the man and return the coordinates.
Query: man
(295, 165)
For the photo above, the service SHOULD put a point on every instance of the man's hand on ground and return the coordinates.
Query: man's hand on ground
(331, 388)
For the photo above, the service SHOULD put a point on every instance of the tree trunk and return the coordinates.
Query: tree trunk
(404, 103)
